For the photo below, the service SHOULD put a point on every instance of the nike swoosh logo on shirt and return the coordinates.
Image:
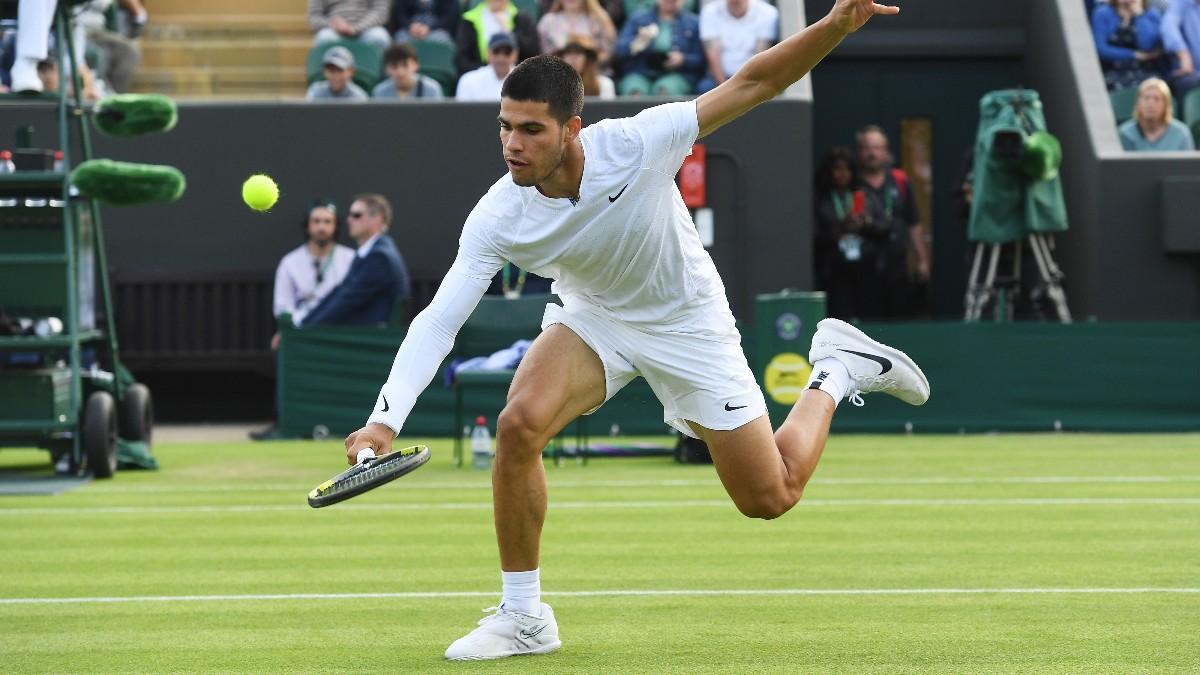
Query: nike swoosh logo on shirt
(885, 364)
(729, 408)
(613, 199)
(385, 405)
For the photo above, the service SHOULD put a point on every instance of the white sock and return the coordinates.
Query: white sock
(830, 376)
(522, 591)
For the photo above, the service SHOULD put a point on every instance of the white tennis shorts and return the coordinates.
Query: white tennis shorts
(696, 377)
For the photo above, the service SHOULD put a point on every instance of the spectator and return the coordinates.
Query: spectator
(483, 83)
(1128, 41)
(120, 54)
(732, 32)
(659, 51)
(890, 223)
(570, 18)
(338, 68)
(843, 257)
(1153, 127)
(33, 41)
(582, 56)
(1181, 38)
(377, 277)
(484, 20)
(312, 270)
(349, 20)
(425, 20)
(404, 79)
(47, 72)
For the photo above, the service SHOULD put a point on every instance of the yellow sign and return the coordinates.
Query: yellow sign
(786, 376)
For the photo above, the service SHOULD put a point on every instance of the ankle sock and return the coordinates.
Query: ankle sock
(830, 376)
(522, 591)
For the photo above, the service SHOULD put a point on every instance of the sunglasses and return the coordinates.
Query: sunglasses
(355, 215)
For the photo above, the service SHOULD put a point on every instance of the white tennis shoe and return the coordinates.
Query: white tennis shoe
(873, 366)
(507, 633)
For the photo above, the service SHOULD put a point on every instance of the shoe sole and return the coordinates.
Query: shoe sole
(894, 354)
(544, 649)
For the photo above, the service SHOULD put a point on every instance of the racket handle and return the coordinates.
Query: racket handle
(365, 454)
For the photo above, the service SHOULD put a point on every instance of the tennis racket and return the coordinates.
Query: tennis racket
(369, 473)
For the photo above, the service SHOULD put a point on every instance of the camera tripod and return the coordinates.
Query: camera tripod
(981, 292)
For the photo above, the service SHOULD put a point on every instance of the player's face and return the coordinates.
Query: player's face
(320, 226)
(532, 141)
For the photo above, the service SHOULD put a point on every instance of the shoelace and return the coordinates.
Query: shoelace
(853, 397)
(499, 611)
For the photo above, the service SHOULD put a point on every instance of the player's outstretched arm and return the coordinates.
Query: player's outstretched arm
(430, 338)
(768, 73)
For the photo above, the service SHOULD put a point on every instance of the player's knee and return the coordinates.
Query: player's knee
(519, 428)
(768, 505)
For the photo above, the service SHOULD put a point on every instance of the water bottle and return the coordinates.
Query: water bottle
(481, 445)
(6, 163)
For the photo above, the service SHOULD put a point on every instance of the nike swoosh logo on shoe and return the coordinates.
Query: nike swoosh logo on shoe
(533, 634)
(884, 363)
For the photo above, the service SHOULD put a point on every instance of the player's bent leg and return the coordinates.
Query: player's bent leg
(559, 379)
(765, 473)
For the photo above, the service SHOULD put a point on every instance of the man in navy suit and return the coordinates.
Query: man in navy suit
(377, 277)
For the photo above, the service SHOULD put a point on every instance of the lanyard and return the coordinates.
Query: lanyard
(841, 203)
(322, 267)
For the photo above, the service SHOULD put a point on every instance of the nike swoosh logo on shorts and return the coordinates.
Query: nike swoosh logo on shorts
(884, 363)
(729, 408)
(385, 405)
(612, 199)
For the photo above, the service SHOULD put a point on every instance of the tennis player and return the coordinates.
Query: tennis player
(598, 211)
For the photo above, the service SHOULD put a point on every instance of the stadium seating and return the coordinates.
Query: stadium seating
(1189, 112)
(437, 61)
(368, 62)
(1122, 103)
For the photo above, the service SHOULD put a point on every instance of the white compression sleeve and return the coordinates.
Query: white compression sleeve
(429, 340)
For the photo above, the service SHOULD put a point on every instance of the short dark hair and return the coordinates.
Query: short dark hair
(378, 205)
(550, 80)
(399, 53)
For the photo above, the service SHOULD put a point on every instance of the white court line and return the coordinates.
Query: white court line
(480, 485)
(600, 505)
(603, 593)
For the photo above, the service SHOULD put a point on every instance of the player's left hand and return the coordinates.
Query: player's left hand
(850, 15)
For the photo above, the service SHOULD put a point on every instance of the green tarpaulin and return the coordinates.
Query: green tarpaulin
(1008, 203)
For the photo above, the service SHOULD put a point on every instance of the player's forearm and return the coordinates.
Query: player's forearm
(779, 67)
(429, 340)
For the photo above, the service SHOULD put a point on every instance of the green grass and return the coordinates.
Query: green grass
(961, 512)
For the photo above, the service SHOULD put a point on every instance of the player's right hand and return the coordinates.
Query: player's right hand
(375, 436)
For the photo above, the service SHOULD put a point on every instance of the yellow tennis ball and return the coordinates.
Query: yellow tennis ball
(260, 192)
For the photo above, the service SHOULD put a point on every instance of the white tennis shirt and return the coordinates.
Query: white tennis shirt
(627, 247)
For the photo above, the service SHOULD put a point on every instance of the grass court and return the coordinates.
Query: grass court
(955, 554)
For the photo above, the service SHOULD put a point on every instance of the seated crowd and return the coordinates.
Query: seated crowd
(630, 47)
(1153, 47)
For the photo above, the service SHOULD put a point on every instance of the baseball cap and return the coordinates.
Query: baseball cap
(339, 57)
(501, 40)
